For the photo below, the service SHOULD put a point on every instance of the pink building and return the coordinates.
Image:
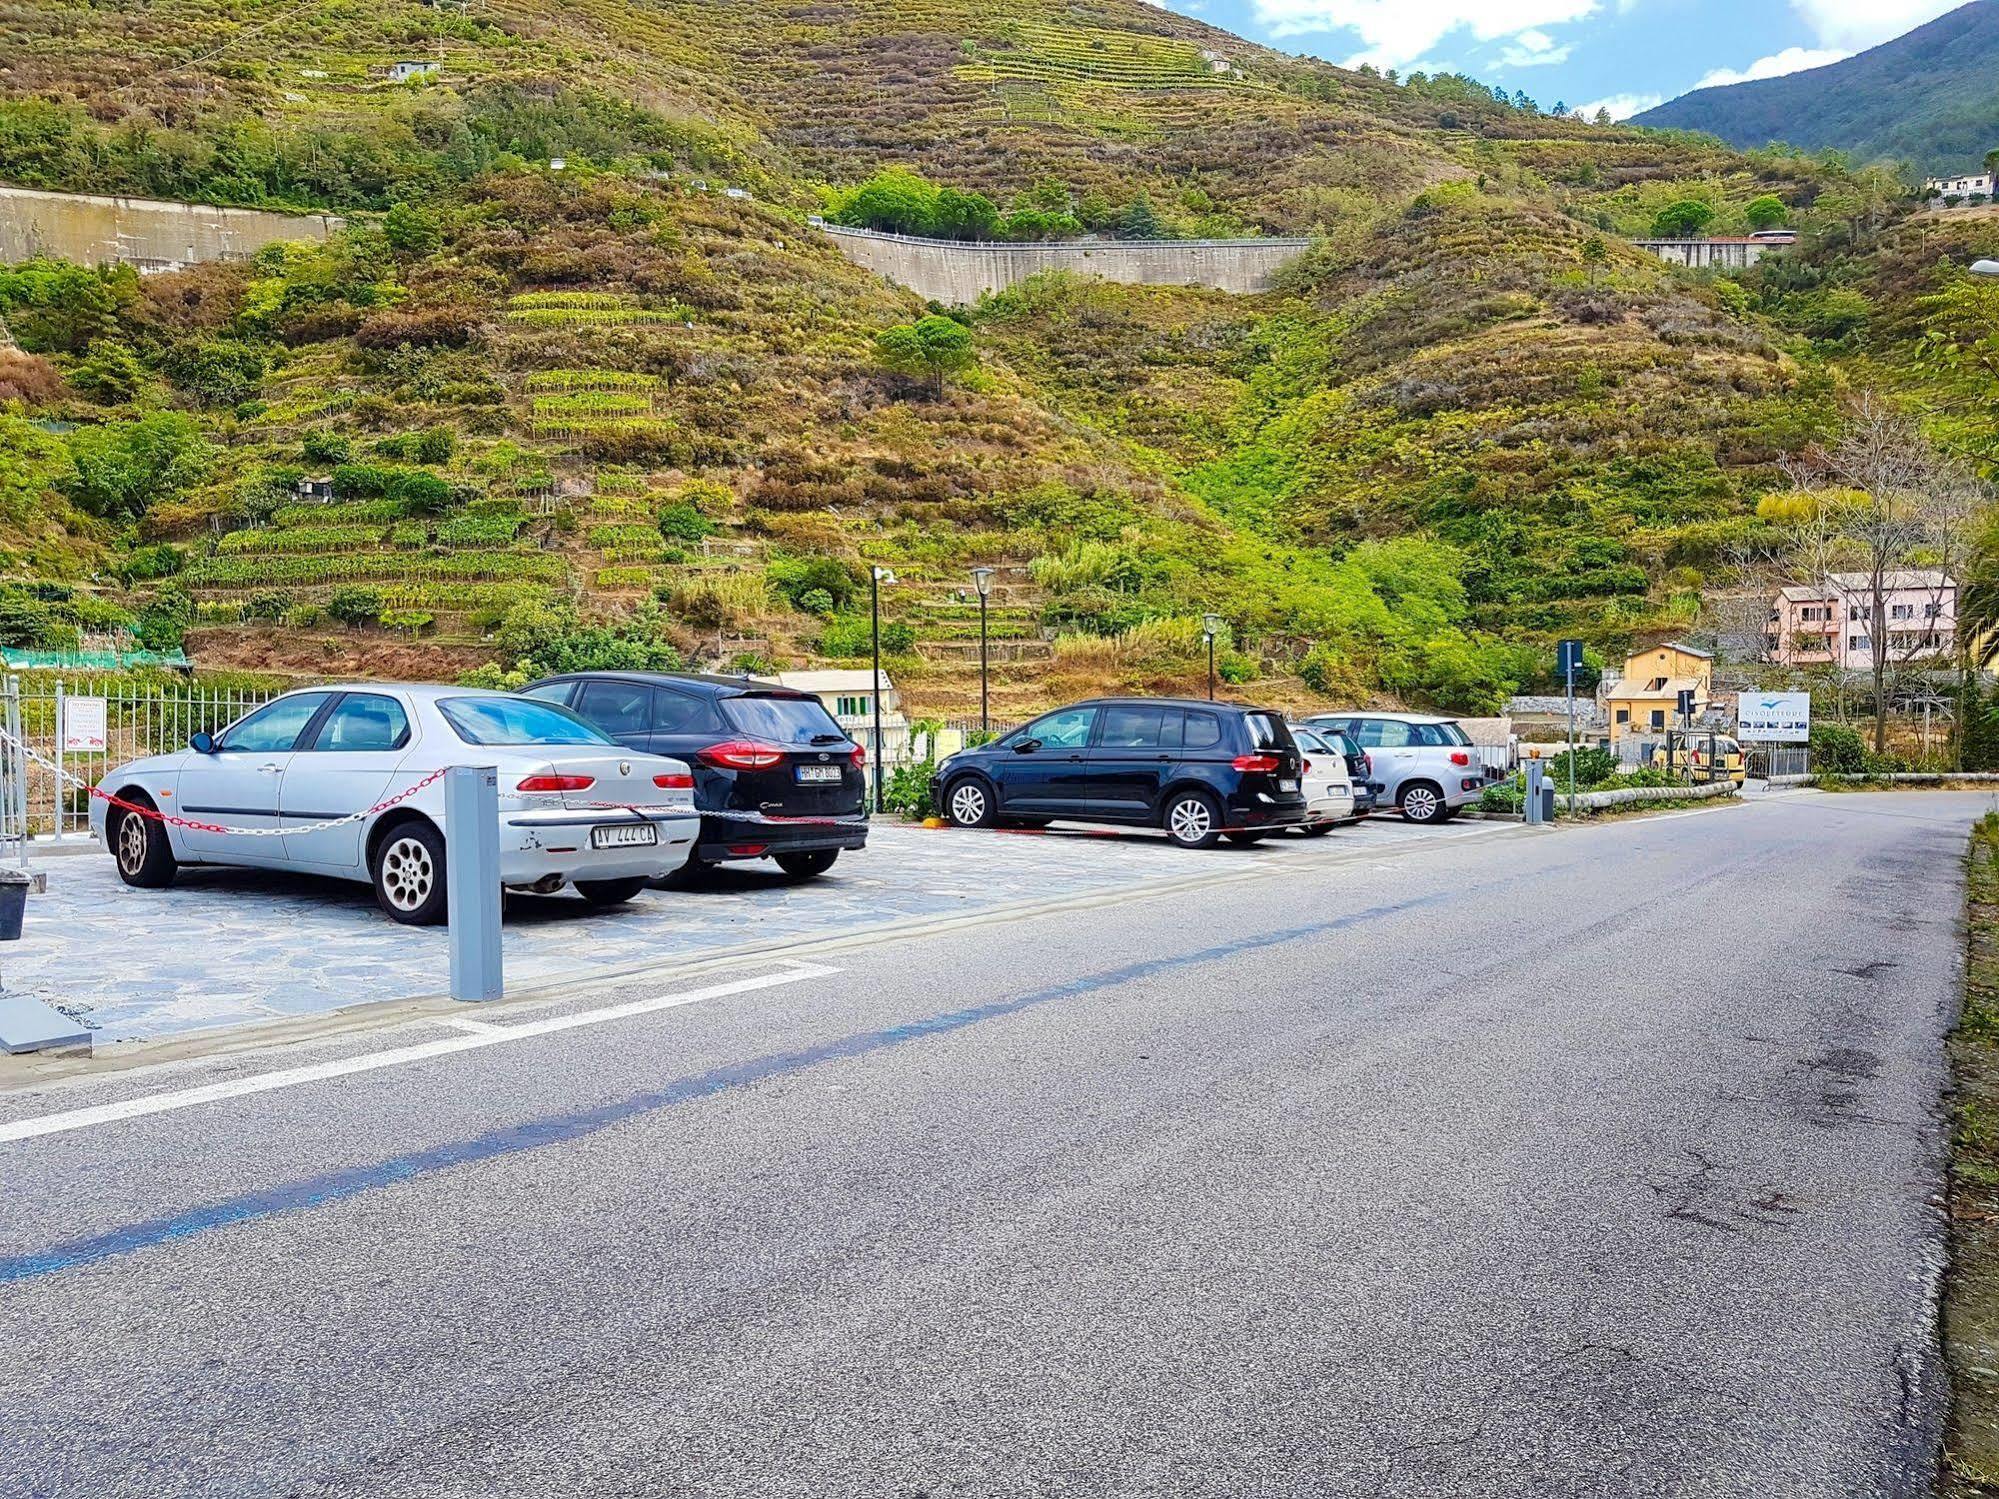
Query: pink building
(1832, 624)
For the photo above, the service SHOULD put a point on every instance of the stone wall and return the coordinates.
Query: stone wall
(1702, 254)
(954, 272)
(153, 235)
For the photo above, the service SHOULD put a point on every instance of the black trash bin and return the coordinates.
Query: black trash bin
(13, 903)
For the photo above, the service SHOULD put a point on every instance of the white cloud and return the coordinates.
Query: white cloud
(1621, 106)
(1396, 33)
(1533, 49)
(1790, 60)
(1854, 24)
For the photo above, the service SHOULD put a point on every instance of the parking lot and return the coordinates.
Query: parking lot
(228, 947)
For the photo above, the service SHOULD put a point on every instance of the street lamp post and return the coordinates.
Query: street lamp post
(876, 577)
(1211, 626)
(982, 579)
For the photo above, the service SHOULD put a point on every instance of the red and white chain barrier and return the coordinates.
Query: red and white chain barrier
(317, 825)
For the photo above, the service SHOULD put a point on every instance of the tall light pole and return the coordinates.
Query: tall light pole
(1211, 626)
(982, 579)
(876, 577)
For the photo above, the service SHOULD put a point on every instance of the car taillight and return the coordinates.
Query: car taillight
(859, 757)
(557, 783)
(1256, 763)
(743, 754)
(1308, 767)
(684, 782)
(1459, 757)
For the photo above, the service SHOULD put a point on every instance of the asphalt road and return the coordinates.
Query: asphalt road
(1596, 1162)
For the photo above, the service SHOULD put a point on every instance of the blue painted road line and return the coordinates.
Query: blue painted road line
(338, 1186)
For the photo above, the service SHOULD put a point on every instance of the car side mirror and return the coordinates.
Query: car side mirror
(202, 743)
(1026, 746)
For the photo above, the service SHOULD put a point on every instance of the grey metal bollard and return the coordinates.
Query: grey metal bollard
(1537, 776)
(26, 1024)
(472, 880)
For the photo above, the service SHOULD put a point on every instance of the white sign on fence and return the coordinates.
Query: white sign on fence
(1774, 717)
(84, 726)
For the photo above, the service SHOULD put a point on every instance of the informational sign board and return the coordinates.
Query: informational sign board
(1568, 658)
(84, 726)
(1774, 717)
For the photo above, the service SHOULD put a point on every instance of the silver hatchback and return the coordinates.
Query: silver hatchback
(1425, 767)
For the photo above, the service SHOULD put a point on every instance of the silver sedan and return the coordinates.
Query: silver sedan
(348, 782)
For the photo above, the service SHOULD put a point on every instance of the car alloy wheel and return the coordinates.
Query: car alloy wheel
(1421, 804)
(408, 874)
(968, 805)
(1190, 820)
(131, 844)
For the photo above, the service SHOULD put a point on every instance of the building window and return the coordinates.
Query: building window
(1932, 611)
(1658, 718)
(1624, 715)
(850, 707)
(1902, 611)
(1856, 612)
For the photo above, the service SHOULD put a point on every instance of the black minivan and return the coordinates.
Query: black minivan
(754, 747)
(1200, 770)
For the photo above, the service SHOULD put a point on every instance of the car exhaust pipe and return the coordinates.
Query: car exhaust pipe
(548, 884)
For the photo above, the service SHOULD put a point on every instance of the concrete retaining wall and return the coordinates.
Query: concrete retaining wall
(955, 272)
(1728, 254)
(146, 232)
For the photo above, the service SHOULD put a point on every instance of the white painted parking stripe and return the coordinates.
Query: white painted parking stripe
(486, 1035)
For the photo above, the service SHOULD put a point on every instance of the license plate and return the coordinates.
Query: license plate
(625, 835)
(1287, 785)
(812, 773)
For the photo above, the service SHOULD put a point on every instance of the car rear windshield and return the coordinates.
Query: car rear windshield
(515, 720)
(1267, 732)
(783, 720)
(1452, 734)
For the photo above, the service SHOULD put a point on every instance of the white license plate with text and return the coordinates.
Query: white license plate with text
(1287, 785)
(625, 835)
(818, 773)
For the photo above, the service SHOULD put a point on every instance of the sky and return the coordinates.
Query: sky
(1621, 55)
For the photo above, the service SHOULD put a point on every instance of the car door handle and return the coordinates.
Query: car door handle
(268, 770)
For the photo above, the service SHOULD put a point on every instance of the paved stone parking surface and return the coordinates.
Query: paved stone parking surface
(225, 947)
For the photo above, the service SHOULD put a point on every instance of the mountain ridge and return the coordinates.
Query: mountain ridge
(1929, 96)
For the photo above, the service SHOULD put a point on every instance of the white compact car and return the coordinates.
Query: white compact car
(307, 776)
(1329, 799)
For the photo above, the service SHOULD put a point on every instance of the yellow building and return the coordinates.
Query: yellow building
(1645, 701)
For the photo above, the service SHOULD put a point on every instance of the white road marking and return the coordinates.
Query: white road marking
(486, 1034)
(470, 1027)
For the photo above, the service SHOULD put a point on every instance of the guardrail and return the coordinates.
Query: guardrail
(1590, 800)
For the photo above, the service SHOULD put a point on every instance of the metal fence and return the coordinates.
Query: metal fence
(85, 726)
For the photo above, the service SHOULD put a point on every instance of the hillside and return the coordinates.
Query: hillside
(1930, 98)
(616, 413)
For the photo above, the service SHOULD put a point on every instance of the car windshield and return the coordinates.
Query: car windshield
(515, 720)
(784, 720)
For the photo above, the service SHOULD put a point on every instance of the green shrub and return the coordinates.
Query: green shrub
(816, 601)
(794, 577)
(682, 522)
(854, 636)
(1837, 750)
(436, 445)
(910, 789)
(355, 606)
(327, 447)
(408, 621)
(267, 603)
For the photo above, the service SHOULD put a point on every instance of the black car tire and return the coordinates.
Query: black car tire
(610, 892)
(807, 865)
(1422, 802)
(968, 803)
(1317, 829)
(145, 858)
(1025, 824)
(1246, 839)
(1192, 819)
(409, 874)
